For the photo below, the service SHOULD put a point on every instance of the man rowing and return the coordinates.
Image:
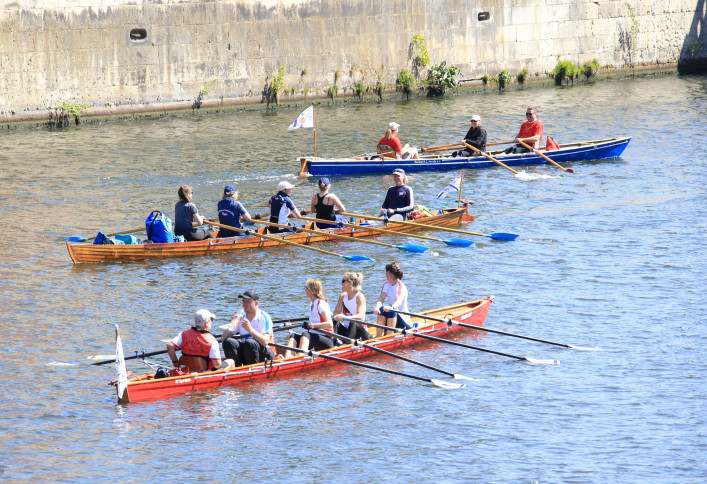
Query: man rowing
(531, 132)
(281, 207)
(255, 329)
(199, 347)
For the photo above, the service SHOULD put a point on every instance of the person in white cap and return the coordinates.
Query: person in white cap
(281, 207)
(389, 144)
(476, 137)
(200, 350)
(399, 200)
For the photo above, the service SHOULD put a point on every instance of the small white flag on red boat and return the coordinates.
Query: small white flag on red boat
(453, 187)
(122, 383)
(304, 120)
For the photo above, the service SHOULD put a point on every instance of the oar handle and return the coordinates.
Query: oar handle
(375, 229)
(532, 148)
(411, 224)
(489, 157)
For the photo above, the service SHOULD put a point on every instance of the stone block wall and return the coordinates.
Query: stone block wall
(81, 51)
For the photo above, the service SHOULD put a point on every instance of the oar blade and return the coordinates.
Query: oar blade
(74, 239)
(503, 236)
(583, 348)
(569, 170)
(457, 242)
(357, 258)
(542, 362)
(416, 248)
(463, 377)
(447, 385)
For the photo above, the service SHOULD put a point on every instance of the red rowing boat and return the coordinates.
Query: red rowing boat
(145, 387)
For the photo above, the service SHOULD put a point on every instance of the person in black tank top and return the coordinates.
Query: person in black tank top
(325, 205)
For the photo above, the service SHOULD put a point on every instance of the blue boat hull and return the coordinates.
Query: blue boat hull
(590, 150)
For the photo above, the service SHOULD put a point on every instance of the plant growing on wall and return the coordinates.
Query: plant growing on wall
(332, 90)
(564, 71)
(421, 59)
(522, 76)
(276, 85)
(504, 79)
(590, 69)
(360, 89)
(71, 108)
(405, 82)
(485, 79)
(441, 77)
(629, 38)
(205, 90)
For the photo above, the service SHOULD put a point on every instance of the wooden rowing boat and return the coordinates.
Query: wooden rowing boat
(145, 387)
(83, 252)
(585, 150)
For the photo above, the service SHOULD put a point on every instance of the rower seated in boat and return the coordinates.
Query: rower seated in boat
(326, 204)
(199, 348)
(531, 132)
(476, 137)
(255, 329)
(351, 304)
(399, 200)
(231, 212)
(390, 145)
(185, 214)
(393, 296)
(281, 207)
(319, 318)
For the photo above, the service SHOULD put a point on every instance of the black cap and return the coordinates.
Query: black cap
(250, 294)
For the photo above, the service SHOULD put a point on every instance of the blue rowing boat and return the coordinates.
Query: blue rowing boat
(585, 150)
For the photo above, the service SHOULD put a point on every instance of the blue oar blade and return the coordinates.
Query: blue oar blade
(75, 239)
(356, 258)
(416, 248)
(503, 236)
(456, 242)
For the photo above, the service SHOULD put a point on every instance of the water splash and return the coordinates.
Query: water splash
(528, 176)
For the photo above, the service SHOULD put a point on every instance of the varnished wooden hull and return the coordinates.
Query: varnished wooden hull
(87, 252)
(147, 388)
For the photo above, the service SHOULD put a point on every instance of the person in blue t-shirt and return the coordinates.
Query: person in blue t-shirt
(281, 207)
(399, 200)
(231, 212)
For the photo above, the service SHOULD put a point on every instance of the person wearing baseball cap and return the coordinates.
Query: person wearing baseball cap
(390, 146)
(281, 207)
(199, 348)
(231, 212)
(399, 200)
(326, 204)
(476, 137)
(255, 329)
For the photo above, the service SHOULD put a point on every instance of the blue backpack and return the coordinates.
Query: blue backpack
(159, 228)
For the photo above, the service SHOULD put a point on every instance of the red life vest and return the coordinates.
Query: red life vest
(197, 345)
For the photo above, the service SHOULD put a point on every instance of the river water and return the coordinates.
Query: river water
(608, 257)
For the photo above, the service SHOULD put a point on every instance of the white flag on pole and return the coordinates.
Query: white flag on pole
(120, 365)
(304, 120)
(452, 187)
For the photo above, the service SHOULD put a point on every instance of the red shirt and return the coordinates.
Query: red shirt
(529, 129)
(392, 144)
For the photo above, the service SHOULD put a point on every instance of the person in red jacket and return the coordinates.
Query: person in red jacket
(200, 351)
(531, 132)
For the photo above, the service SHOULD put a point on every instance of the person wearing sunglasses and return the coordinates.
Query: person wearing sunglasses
(531, 132)
(476, 137)
(351, 304)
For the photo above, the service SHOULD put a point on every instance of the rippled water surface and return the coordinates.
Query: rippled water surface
(609, 257)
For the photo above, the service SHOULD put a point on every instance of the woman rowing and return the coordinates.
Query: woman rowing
(185, 214)
(351, 304)
(399, 200)
(393, 296)
(231, 212)
(390, 144)
(319, 318)
(281, 207)
(326, 204)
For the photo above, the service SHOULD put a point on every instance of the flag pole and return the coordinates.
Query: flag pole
(314, 128)
(461, 184)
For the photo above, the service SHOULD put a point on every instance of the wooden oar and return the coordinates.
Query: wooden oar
(456, 343)
(355, 258)
(315, 354)
(453, 241)
(495, 236)
(568, 170)
(161, 352)
(489, 157)
(450, 322)
(441, 148)
(385, 352)
(406, 247)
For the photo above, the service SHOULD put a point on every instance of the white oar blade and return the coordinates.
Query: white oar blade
(583, 348)
(542, 362)
(463, 377)
(100, 357)
(446, 384)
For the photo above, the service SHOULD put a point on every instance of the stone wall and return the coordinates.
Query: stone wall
(147, 55)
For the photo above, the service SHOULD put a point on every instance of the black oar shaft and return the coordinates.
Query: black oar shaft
(315, 354)
(389, 353)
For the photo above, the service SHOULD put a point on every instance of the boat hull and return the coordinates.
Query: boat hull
(146, 388)
(87, 252)
(589, 150)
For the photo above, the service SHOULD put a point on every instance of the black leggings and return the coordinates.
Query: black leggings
(354, 331)
(317, 341)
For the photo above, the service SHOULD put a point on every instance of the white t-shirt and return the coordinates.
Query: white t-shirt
(316, 313)
(262, 323)
(393, 292)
